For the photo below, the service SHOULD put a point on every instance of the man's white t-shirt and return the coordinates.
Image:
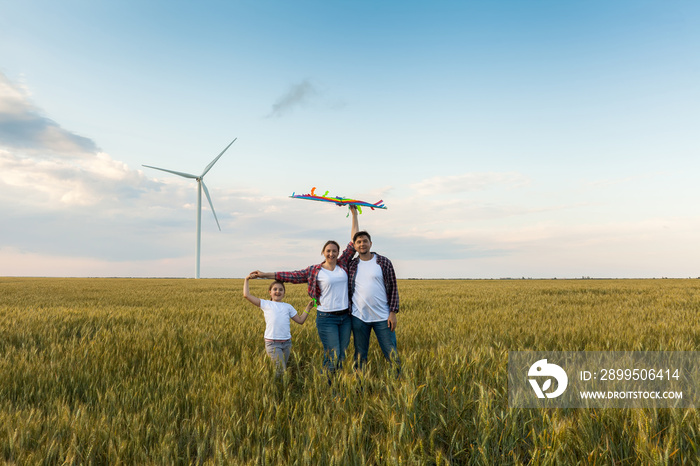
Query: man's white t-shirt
(334, 290)
(369, 301)
(277, 317)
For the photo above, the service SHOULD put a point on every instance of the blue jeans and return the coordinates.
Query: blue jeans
(334, 331)
(385, 337)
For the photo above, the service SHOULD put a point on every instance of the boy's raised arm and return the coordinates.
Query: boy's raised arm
(246, 292)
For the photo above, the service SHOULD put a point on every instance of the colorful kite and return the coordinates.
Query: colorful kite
(341, 201)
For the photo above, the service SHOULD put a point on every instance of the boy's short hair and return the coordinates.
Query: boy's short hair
(361, 233)
(269, 288)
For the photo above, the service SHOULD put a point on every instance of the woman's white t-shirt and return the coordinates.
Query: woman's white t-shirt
(277, 315)
(334, 289)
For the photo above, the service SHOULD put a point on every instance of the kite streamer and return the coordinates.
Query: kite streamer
(338, 200)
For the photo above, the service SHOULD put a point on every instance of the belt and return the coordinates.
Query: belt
(336, 313)
(278, 341)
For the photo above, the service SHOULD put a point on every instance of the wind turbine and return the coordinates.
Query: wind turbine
(200, 185)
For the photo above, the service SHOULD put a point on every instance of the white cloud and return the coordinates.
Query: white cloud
(56, 182)
(13, 98)
(23, 127)
(47, 166)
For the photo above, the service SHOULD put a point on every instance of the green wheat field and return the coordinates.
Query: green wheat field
(160, 371)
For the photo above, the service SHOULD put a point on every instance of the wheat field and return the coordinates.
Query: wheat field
(160, 371)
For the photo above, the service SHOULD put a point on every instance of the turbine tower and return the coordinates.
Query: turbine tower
(200, 185)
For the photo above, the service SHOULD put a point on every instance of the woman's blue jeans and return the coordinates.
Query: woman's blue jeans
(385, 337)
(334, 331)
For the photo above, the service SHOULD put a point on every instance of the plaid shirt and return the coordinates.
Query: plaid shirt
(392, 291)
(310, 274)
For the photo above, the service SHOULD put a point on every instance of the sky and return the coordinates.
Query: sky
(508, 139)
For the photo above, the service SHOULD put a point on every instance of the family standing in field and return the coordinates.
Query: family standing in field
(353, 295)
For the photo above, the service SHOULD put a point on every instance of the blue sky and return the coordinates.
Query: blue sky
(507, 139)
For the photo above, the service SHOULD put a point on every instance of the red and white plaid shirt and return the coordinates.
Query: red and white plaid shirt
(310, 274)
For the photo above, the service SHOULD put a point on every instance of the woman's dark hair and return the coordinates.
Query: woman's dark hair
(330, 241)
(273, 284)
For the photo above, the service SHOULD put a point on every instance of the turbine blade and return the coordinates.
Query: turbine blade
(186, 175)
(206, 191)
(206, 170)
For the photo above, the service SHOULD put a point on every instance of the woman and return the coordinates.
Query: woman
(328, 287)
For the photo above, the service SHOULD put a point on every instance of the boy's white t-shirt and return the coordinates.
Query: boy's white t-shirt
(369, 301)
(277, 315)
(334, 290)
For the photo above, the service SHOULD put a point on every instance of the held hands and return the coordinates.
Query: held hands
(255, 274)
(309, 307)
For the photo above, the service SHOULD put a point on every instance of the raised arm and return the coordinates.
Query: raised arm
(355, 224)
(349, 252)
(259, 274)
(246, 292)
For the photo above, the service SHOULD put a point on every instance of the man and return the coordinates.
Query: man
(375, 301)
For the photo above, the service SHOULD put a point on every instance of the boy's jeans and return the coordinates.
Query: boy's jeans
(385, 337)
